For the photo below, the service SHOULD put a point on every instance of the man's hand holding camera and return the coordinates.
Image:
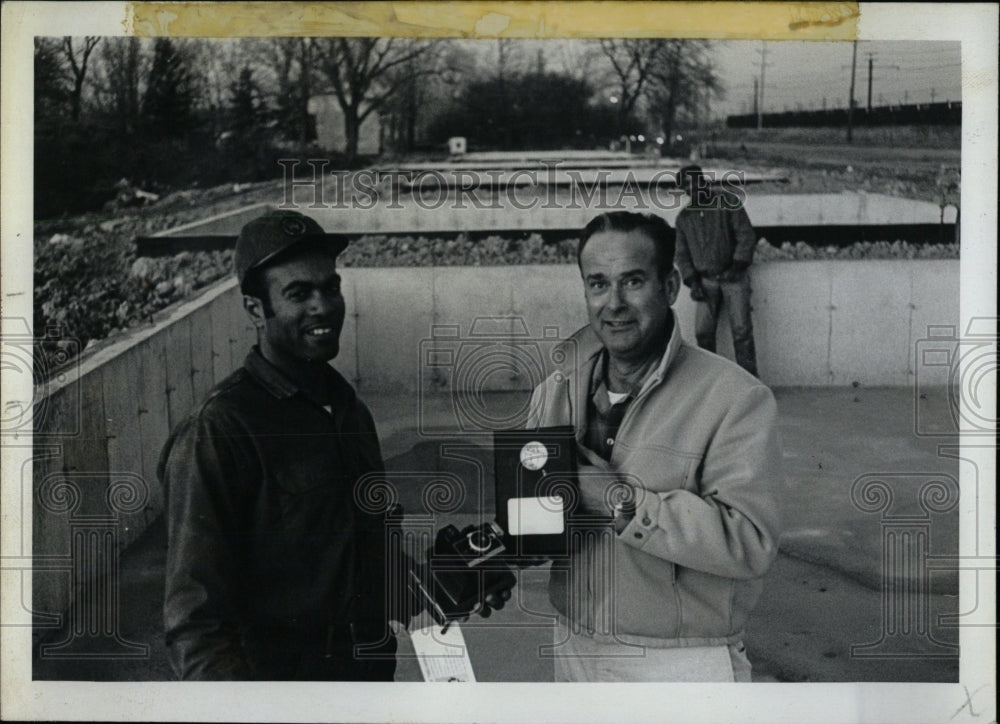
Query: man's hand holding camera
(464, 574)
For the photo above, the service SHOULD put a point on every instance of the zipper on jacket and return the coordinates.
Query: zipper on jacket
(677, 600)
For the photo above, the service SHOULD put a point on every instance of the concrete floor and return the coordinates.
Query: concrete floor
(823, 596)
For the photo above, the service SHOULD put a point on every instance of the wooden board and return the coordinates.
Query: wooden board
(219, 318)
(202, 372)
(121, 380)
(244, 333)
(86, 455)
(154, 419)
(180, 392)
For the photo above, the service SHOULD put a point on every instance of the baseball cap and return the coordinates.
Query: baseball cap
(268, 236)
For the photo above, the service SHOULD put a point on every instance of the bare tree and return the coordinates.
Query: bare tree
(51, 87)
(77, 60)
(306, 48)
(579, 59)
(120, 81)
(292, 60)
(681, 79)
(664, 78)
(442, 72)
(364, 73)
(632, 63)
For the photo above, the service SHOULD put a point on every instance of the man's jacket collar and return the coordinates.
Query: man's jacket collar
(589, 349)
(281, 387)
(270, 378)
(669, 355)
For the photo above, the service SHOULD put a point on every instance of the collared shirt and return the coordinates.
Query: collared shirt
(604, 415)
(265, 533)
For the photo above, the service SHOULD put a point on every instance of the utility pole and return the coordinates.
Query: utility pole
(871, 63)
(763, 68)
(850, 99)
(756, 98)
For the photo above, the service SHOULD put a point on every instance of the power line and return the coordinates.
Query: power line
(871, 64)
(903, 52)
(934, 67)
(915, 52)
(807, 78)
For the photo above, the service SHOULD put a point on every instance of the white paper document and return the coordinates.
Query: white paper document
(442, 656)
(535, 516)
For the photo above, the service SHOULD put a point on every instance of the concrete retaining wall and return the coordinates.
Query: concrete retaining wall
(533, 207)
(101, 427)
(816, 322)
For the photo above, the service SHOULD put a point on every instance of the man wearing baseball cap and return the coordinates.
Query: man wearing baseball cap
(274, 571)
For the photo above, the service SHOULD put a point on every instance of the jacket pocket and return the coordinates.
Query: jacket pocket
(311, 495)
(657, 468)
(647, 602)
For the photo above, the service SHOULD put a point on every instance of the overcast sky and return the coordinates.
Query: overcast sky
(797, 73)
(806, 73)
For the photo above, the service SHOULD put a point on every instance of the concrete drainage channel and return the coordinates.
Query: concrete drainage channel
(556, 204)
(814, 324)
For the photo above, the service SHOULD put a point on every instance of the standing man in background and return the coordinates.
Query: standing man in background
(715, 245)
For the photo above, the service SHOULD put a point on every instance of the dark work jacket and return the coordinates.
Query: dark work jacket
(710, 238)
(265, 539)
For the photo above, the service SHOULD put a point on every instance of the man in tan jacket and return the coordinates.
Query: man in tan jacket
(664, 594)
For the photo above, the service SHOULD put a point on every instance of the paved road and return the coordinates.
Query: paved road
(823, 597)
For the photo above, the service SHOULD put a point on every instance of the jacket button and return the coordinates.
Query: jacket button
(610, 441)
(638, 534)
(646, 520)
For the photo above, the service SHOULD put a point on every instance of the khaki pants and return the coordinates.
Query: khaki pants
(580, 658)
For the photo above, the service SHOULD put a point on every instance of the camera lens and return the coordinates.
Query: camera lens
(480, 540)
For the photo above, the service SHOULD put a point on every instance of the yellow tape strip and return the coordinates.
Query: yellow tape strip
(536, 20)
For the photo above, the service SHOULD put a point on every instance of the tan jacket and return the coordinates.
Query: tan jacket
(700, 446)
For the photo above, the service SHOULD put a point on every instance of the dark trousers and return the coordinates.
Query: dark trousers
(316, 667)
(737, 297)
(291, 659)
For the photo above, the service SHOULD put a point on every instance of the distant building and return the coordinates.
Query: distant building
(330, 126)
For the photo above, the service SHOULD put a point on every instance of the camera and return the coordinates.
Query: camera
(499, 354)
(964, 364)
(463, 569)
